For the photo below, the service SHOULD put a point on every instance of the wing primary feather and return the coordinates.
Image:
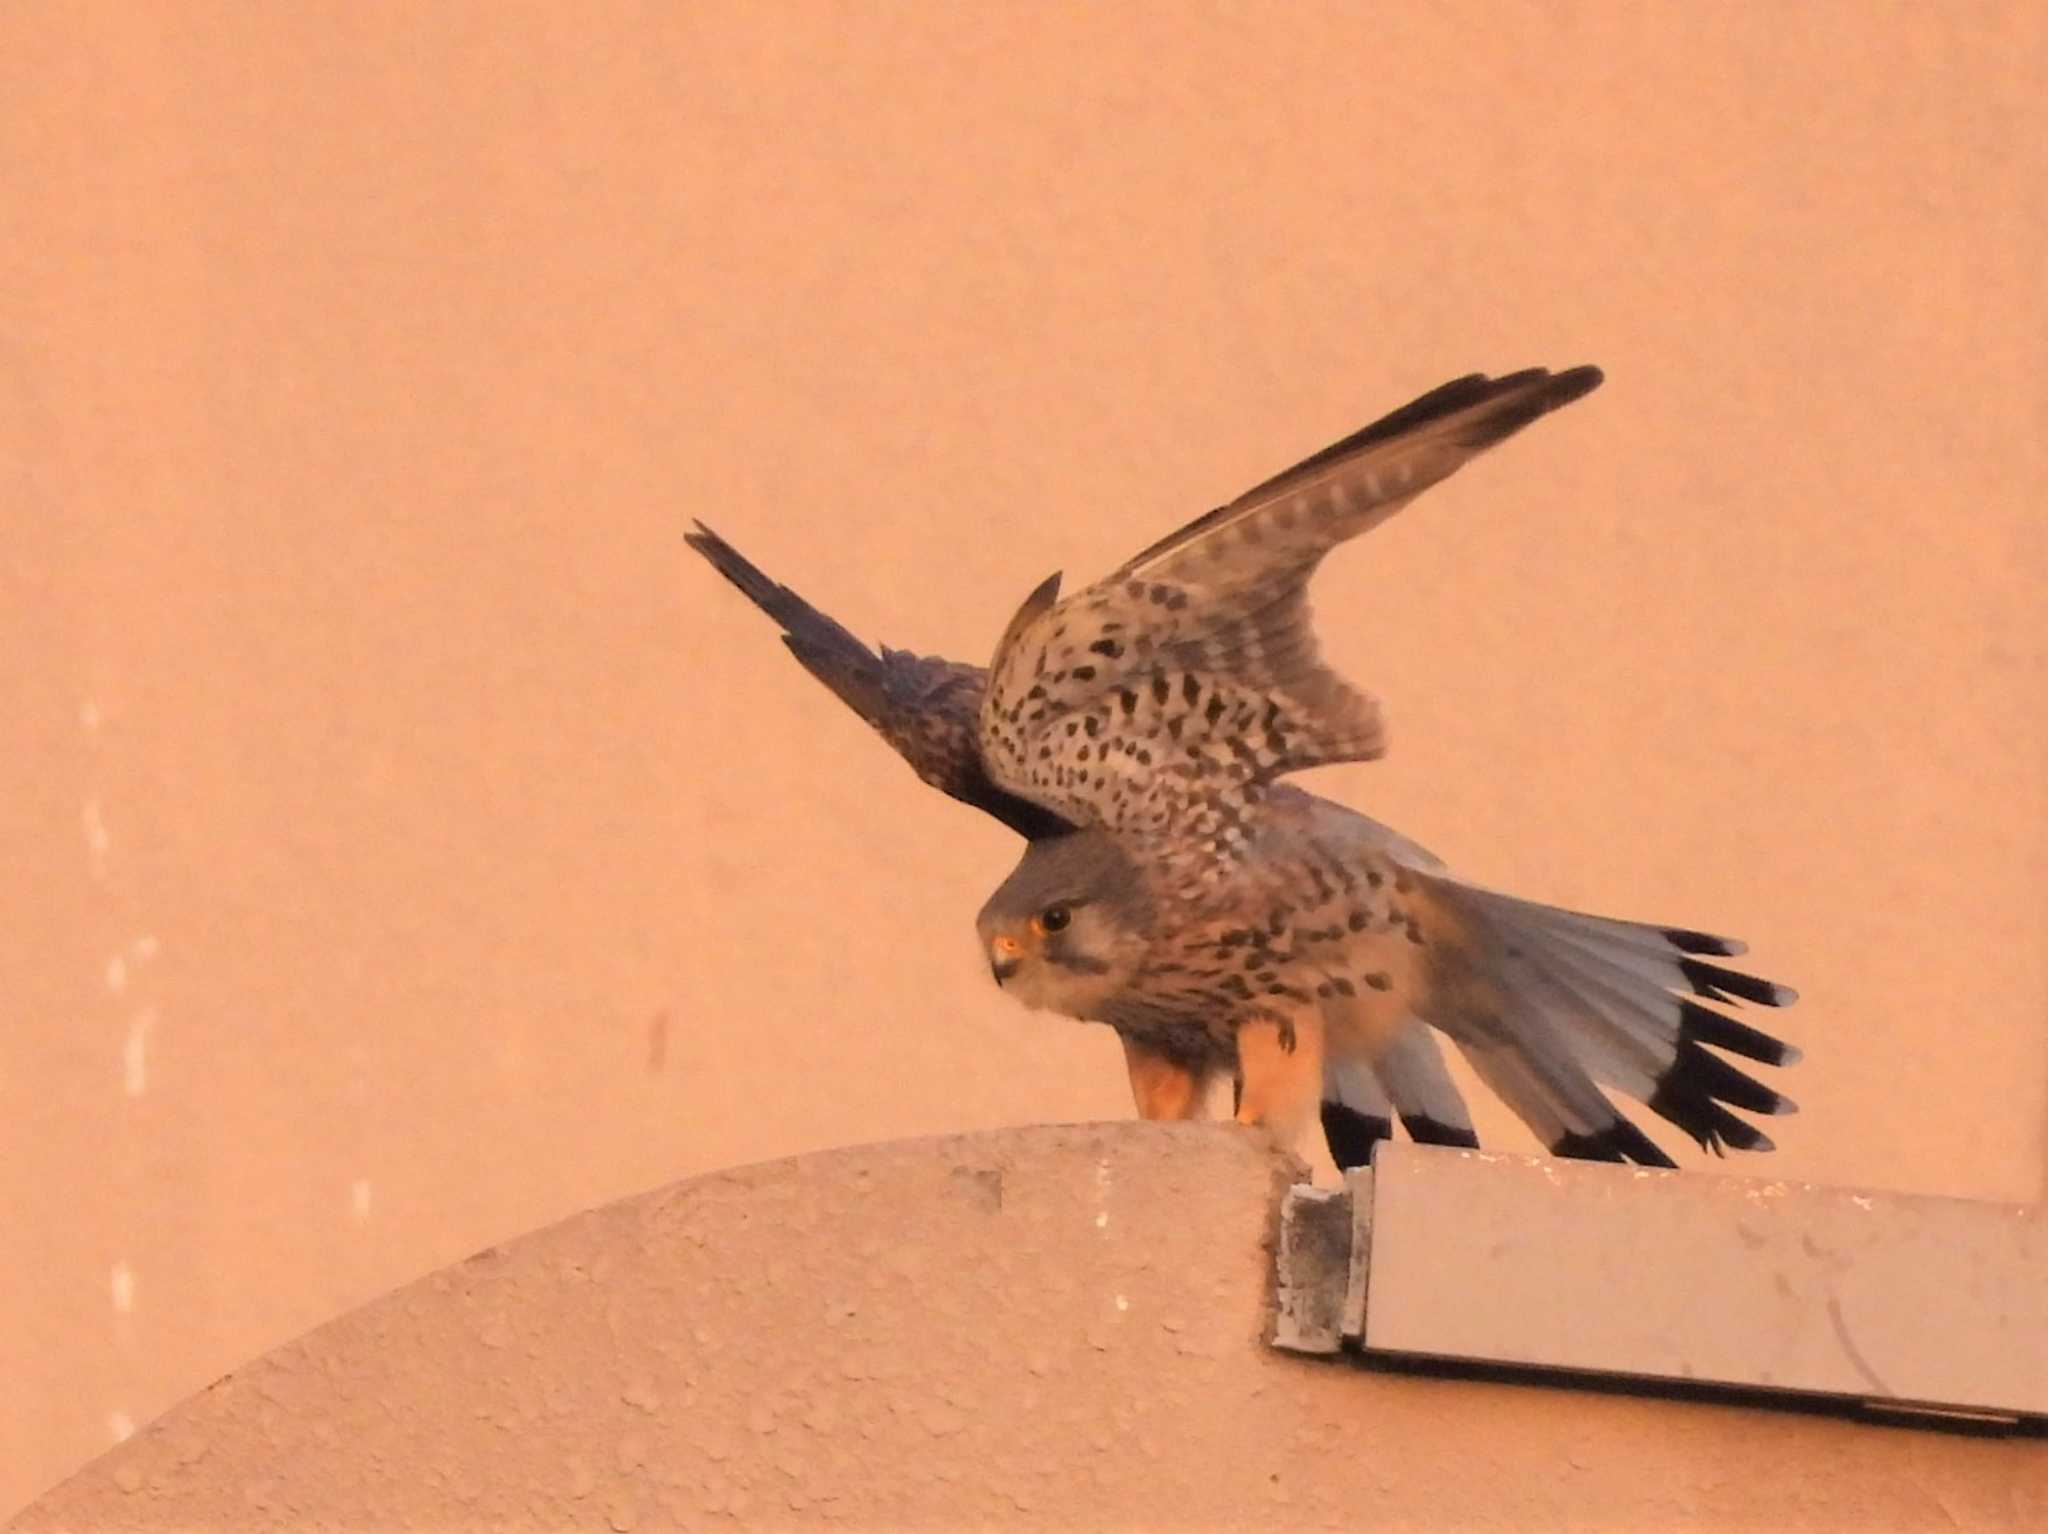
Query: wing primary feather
(1539, 391)
(826, 649)
(927, 709)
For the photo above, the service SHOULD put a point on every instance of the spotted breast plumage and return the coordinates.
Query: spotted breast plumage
(1223, 921)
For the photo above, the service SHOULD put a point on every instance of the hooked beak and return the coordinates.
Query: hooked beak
(1003, 958)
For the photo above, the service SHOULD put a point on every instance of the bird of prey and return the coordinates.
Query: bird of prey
(1226, 923)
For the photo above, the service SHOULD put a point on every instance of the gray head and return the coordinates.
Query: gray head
(1069, 927)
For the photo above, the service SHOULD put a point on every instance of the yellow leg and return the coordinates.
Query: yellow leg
(1282, 1062)
(1161, 1088)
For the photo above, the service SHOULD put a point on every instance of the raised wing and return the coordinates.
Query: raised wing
(928, 709)
(1165, 695)
(1357, 483)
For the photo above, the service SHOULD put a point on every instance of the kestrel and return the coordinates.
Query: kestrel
(1223, 922)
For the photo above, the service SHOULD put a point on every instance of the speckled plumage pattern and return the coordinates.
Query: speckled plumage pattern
(1158, 702)
(1134, 733)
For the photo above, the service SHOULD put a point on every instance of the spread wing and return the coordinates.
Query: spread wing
(1157, 702)
(928, 709)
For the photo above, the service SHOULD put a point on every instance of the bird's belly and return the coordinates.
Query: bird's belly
(1364, 1025)
(1364, 962)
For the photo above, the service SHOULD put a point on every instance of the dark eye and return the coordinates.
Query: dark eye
(1055, 918)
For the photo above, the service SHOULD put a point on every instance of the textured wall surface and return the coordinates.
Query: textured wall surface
(408, 843)
(1046, 1327)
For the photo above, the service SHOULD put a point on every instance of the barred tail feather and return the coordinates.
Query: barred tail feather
(1663, 955)
(1357, 1113)
(1605, 1025)
(1568, 1115)
(1431, 1107)
(1362, 1100)
(1619, 996)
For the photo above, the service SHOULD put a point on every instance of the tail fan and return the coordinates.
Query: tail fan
(1361, 1101)
(1585, 999)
